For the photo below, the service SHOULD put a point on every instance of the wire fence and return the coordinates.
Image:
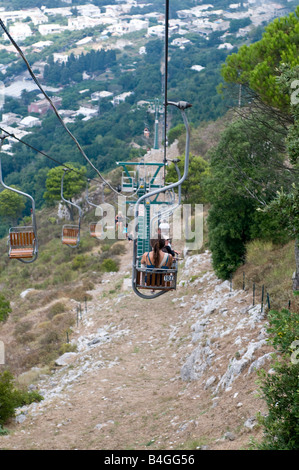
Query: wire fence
(260, 294)
(79, 315)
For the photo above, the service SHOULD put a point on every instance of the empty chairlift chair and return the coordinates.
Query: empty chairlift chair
(70, 233)
(94, 227)
(22, 241)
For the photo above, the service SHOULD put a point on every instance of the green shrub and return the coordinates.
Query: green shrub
(55, 309)
(4, 308)
(283, 328)
(281, 425)
(109, 265)
(280, 389)
(12, 398)
(79, 262)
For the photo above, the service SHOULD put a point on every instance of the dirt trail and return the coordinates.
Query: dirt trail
(123, 388)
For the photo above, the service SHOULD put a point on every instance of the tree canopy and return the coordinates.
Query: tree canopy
(257, 65)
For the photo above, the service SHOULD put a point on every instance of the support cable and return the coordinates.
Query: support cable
(53, 106)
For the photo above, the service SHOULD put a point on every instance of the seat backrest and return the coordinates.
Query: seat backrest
(71, 232)
(156, 279)
(21, 239)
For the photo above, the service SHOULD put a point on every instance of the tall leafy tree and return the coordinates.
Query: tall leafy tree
(11, 205)
(268, 69)
(73, 185)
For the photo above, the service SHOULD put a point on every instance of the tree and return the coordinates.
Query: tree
(74, 183)
(257, 66)
(243, 177)
(5, 308)
(11, 205)
(269, 69)
(192, 188)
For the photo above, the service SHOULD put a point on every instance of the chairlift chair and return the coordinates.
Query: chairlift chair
(93, 226)
(22, 241)
(70, 233)
(158, 280)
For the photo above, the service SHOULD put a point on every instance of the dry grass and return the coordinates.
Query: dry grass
(271, 266)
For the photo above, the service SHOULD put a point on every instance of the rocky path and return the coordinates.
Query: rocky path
(177, 372)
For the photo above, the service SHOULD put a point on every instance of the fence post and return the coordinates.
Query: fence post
(262, 302)
(268, 300)
(85, 300)
(243, 280)
(253, 293)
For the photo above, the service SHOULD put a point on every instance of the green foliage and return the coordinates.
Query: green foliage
(94, 61)
(239, 167)
(11, 204)
(192, 188)
(280, 389)
(285, 206)
(283, 329)
(229, 222)
(175, 133)
(109, 265)
(288, 82)
(257, 65)
(74, 182)
(5, 308)
(12, 398)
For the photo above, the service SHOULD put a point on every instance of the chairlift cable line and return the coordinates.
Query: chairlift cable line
(42, 152)
(165, 79)
(53, 106)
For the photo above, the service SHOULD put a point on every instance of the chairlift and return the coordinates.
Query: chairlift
(94, 230)
(158, 280)
(22, 241)
(70, 233)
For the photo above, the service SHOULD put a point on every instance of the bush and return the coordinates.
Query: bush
(109, 265)
(12, 398)
(281, 425)
(4, 308)
(280, 390)
(55, 309)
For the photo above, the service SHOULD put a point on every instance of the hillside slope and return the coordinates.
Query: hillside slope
(177, 372)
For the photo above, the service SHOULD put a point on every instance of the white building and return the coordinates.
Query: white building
(87, 112)
(82, 22)
(30, 121)
(89, 10)
(97, 95)
(226, 45)
(20, 31)
(180, 42)
(50, 28)
(60, 58)
(121, 98)
(156, 31)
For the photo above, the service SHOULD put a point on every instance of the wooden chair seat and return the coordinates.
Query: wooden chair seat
(69, 241)
(21, 244)
(70, 235)
(21, 253)
(160, 279)
(93, 231)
